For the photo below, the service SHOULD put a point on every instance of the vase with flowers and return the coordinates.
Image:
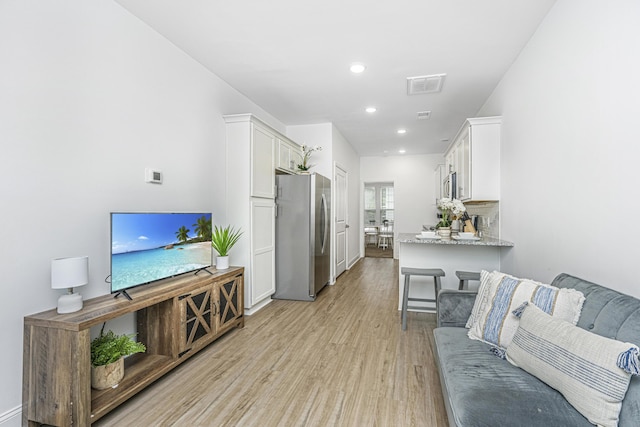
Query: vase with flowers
(450, 209)
(307, 150)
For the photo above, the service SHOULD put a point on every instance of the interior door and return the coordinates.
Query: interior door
(341, 226)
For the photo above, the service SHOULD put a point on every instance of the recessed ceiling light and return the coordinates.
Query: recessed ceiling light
(357, 68)
(402, 131)
(371, 109)
(402, 151)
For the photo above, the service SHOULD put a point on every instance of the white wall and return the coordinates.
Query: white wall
(89, 97)
(570, 146)
(414, 188)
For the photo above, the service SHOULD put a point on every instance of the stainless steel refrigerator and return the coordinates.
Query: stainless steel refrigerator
(303, 236)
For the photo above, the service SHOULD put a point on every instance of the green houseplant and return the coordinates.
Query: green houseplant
(222, 240)
(107, 357)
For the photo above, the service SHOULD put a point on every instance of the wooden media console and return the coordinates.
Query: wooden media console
(175, 318)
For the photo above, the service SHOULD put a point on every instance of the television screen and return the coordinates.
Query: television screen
(151, 246)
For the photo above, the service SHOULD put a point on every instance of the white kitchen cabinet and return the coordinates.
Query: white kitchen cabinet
(263, 250)
(438, 178)
(474, 155)
(289, 155)
(250, 204)
(263, 178)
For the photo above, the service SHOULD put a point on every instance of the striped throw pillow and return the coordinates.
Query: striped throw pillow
(591, 371)
(494, 324)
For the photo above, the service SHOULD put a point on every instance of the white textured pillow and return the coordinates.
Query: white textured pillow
(586, 368)
(494, 324)
(485, 276)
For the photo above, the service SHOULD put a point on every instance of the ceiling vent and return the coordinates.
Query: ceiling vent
(423, 115)
(425, 84)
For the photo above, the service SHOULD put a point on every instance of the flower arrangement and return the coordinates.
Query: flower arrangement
(449, 207)
(306, 155)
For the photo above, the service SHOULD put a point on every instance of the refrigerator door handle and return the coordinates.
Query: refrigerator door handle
(325, 229)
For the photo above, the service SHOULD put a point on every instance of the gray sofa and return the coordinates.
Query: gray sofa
(480, 389)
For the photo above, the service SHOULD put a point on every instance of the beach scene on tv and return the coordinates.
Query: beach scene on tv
(150, 246)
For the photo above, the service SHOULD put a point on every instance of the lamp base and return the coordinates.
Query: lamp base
(69, 303)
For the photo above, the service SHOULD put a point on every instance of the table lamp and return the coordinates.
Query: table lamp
(67, 273)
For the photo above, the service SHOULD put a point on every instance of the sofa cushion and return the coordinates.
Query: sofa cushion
(482, 390)
(494, 323)
(583, 366)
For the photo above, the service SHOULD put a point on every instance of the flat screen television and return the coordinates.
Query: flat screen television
(146, 247)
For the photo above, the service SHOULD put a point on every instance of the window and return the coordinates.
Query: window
(378, 203)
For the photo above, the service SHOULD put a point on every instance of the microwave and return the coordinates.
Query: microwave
(450, 186)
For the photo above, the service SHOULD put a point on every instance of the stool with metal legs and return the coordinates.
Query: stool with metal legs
(436, 273)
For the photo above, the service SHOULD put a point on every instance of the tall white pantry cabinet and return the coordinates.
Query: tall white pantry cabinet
(251, 150)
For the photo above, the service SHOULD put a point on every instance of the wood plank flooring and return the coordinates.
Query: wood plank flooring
(376, 252)
(339, 361)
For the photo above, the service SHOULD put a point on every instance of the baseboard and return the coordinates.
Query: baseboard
(256, 307)
(353, 261)
(11, 418)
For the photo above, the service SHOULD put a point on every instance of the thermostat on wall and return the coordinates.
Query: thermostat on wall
(153, 176)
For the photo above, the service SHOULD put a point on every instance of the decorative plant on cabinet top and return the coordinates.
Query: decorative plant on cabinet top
(306, 156)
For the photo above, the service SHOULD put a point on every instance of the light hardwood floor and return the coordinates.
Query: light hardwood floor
(339, 361)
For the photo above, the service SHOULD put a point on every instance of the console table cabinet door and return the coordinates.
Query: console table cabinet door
(198, 320)
(229, 303)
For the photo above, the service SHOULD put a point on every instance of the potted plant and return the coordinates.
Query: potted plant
(222, 240)
(107, 358)
(306, 155)
(448, 207)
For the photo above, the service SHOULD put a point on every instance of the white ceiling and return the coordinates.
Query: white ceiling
(292, 58)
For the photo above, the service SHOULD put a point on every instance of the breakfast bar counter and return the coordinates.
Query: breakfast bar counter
(451, 255)
(485, 241)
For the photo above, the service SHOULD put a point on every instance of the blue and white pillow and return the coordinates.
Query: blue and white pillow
(591, 371)
(493, 322)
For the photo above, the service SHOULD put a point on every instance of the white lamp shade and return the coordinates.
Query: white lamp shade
(69, 272)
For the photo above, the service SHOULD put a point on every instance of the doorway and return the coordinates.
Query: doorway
(379, 219)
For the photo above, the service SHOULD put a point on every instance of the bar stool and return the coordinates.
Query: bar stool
(436, 273)
(465, 276)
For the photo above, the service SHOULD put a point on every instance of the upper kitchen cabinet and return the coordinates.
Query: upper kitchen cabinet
(474, 155)
(438, 179)
(263, 179)
(250, 155)
(288, 156)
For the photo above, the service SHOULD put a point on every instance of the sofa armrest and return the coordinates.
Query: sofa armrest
(454, 307)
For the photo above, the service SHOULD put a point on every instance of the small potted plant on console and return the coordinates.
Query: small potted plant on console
(107, 358)
(222, 240)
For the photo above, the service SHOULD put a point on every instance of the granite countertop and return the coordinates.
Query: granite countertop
(485, 241)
